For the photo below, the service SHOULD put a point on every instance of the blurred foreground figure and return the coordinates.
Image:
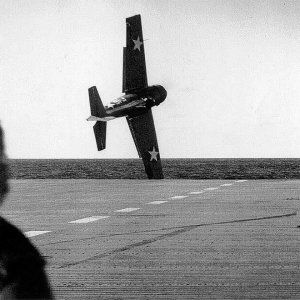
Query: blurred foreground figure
(22, 274)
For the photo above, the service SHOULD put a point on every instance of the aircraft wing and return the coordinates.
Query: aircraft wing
(144, 136)
(134, 64)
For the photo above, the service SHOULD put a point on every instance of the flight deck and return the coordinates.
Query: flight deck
(163, 239)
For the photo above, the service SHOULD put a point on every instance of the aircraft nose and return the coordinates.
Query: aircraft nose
(163, 93)
(159, 93)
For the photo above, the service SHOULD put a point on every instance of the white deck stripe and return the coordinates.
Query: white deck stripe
(128, 209)
(89, 219)
(178, 197)
(157, 202)
(242, 180)
(34, 233)
(226, 184)
(211, 189)
(196, 193)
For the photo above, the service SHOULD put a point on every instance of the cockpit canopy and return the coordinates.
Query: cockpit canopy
(120, 100)
(117, 101)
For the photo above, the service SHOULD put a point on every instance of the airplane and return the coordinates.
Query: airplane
(135, 104)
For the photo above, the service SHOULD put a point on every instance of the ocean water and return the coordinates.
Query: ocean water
(271, 168)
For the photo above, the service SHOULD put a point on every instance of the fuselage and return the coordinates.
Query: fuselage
(134, 103)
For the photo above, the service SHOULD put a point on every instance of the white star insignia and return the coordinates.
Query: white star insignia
(137, 44)
(153, 154)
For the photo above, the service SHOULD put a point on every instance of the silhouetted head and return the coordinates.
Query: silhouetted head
(3, 169)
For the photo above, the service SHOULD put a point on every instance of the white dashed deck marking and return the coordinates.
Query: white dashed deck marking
(179, 197)
(34, 233)
(211, 188)
(89, 219)
(128, 209)
(157, 202)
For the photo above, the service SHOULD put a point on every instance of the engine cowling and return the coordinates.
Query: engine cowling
(157, 93)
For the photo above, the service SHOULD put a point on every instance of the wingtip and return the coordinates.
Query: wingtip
(132, 17)
(92, 88)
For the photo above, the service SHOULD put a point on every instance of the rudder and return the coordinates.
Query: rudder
(97, 108)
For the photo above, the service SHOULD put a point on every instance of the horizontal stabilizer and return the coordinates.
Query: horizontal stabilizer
(100, 134)
(97, 108)
(93, 118)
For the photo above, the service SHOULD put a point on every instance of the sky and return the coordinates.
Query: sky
(231, 69)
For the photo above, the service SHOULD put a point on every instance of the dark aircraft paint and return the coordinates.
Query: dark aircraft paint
(135, 104)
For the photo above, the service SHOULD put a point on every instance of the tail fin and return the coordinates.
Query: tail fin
(97, 111)
(97, 108)
(100, 134)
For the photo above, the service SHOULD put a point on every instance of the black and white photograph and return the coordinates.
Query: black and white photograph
(149, 149)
